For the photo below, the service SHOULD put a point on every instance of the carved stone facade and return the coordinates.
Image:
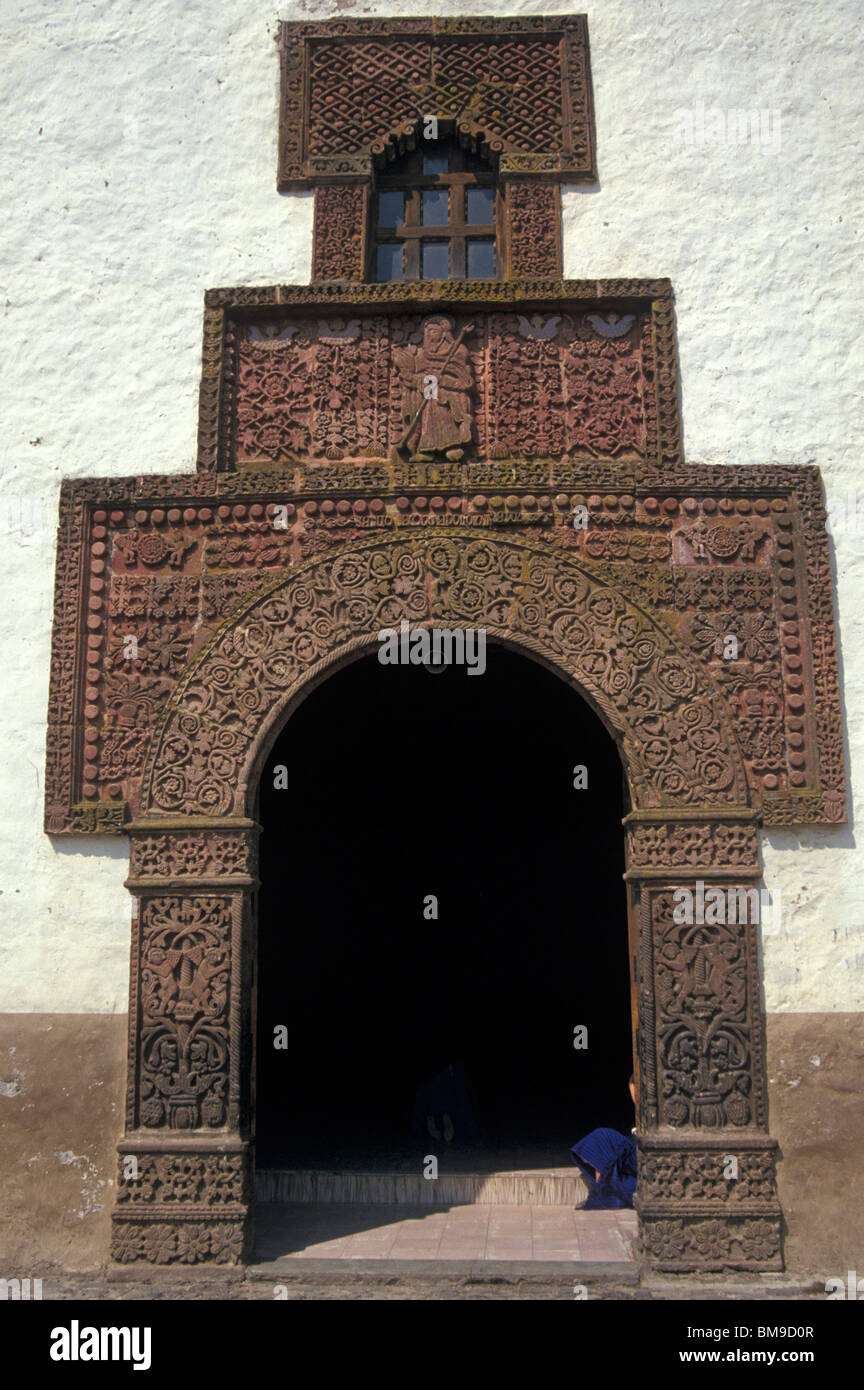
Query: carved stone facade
(212, 599)
(306, 411)
(314, 374)
(235, 604)
(545, 500)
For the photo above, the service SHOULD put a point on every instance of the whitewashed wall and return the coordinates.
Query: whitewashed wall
(139, 160)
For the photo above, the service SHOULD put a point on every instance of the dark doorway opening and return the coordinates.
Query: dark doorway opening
(404, 783)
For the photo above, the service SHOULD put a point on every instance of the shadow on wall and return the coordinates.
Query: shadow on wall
(91, 846)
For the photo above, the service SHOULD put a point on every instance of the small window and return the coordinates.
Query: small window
(436, 216)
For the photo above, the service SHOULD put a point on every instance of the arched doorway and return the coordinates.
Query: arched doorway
(441, 885)
(700, 1073)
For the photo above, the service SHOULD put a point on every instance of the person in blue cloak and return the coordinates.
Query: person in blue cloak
(607, 1161)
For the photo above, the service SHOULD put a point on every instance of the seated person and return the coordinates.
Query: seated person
(607, 1161)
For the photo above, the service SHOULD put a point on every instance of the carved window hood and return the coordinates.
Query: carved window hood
(353, 91)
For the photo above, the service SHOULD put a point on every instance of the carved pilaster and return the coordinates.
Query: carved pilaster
(706, 1186)
(339, 236)
(534, 229)
(704, 1046)
(184, 1162)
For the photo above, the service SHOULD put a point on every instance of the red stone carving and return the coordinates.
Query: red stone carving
(339, 236)
(217, 852)
(191, 610)
(704, 1007)
(181, 1207)
(540, 383)
(436, 391)
(655, 845)
(161, 575)
(352, 90)
(533, 230)
(185, 973)
(675, 729)
(695, 1216)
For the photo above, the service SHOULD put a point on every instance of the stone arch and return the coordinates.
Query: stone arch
(675, 738)
(193, 869)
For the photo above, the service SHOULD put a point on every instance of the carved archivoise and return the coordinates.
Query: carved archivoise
(732, 578)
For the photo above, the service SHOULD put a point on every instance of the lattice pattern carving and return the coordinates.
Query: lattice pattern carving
(352, 90)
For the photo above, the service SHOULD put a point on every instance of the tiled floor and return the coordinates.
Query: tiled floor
(471, 1232)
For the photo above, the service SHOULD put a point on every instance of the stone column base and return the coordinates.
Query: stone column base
(184, 1205)
(709, 1204)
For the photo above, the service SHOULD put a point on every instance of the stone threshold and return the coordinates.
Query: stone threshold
(485, 1271)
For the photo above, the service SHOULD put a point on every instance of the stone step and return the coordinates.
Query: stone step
(537, 1187)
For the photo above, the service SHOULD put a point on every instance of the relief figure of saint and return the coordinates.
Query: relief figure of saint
(436, 392)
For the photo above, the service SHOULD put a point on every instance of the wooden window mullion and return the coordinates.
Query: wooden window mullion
(412, 243)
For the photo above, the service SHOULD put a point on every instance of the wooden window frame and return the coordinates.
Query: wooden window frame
(457, 232)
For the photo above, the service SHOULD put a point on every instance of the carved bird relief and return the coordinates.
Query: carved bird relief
(338, 331)
(538, 326)
(271, 332)
(611, 325)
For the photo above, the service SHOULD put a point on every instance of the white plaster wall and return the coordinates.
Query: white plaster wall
(139, 167)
